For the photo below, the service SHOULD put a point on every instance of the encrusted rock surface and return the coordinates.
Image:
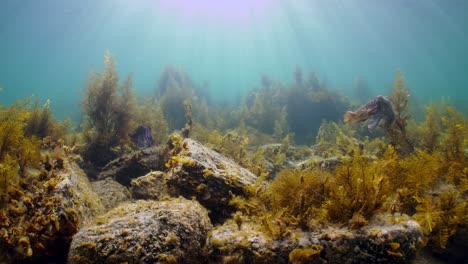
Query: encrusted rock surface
(111, 193)
(388, 243)
(39, 221)
(150, 186)
(197, 171)
(171, 231)
(75, 188)
(133, 165)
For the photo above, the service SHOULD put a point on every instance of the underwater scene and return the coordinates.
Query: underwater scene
(262, 131)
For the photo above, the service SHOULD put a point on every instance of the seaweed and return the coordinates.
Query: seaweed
(267, 110)
(17, 151)
(188, 117)
(41, 123)
(305, 255)
(174, 87)
(421, 172)
(108, 110)
(358, 189)
(441, 215)
(309, 103)
(455, 138)
(431, 130)
(335, 140)
(295, 195)
(30, 215)
(397, 133)
(125, 110)
(8, 178)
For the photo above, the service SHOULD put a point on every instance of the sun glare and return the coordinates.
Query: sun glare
(216, 10)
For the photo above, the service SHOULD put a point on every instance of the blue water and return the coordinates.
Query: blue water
(48, 47)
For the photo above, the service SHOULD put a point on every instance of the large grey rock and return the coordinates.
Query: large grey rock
(384, 243)
(75, 188)
(151, 186)
(197, 171)
(133, 165)
(111, 193)
(172, 231)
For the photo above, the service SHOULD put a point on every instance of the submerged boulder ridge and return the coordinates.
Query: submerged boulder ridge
(380, 243)
(170, 231)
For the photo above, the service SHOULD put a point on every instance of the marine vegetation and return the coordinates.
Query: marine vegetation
(265, 110)
(32, 219)
(173, 88)
(305, 255)
(372, 178)
(397, 133)
(109, 109)
(41, 123)
(308, 103)
(431, 131)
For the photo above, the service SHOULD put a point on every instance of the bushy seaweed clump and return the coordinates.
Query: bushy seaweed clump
(17, 151)
(109, 110)
(41, 123)
(32, 219)
(397, 132)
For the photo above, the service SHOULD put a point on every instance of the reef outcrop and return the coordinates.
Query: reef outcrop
(379, 243)
(170, 231)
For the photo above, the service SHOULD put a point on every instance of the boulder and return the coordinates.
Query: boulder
(44, 213)
(250, 243)
(133, 165)
(111, 193)
(197, 171)
(75, 188)
(151, 186)
(171, 231)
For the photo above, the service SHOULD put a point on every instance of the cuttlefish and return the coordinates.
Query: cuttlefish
(372, 112)
(142, 136)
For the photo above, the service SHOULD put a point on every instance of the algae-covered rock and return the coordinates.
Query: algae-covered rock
(111, 193)
(197, 171)
(151, 186)
(40, 219)
(171, 231)
(389, 243)
(133, 165)
(75, 188)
